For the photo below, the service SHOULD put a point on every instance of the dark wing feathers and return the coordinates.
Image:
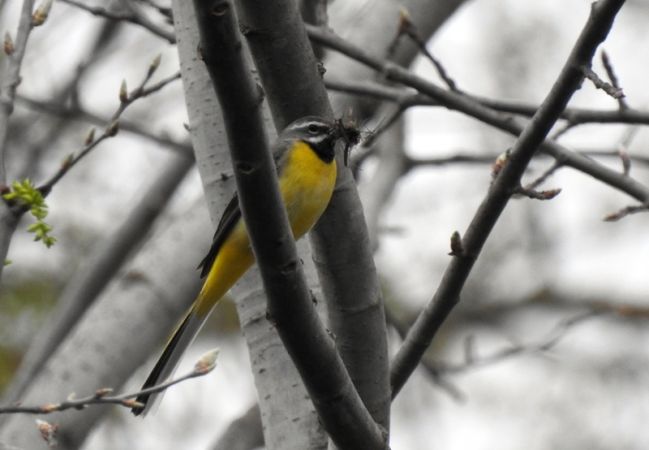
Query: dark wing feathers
(232, 214)
(229, 219)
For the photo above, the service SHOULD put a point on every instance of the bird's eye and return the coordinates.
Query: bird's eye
(313, 129)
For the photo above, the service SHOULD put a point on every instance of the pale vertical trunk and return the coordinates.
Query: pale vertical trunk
(121, 330)
(289, 419)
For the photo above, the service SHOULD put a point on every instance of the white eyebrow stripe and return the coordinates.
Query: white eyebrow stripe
(306, 125)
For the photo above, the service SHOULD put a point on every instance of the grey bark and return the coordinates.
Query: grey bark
(294, 88)
(289, 418)
(144, 302)
(88, 282)
(8, 84)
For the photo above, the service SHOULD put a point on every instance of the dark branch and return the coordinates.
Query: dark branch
(468, 105)
(457, 272)
(294, 87)
(408, 98)
(289, 300)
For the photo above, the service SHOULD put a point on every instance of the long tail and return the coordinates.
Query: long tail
(182, 337)
(233, 260)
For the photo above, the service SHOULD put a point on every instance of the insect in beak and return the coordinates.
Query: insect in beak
(349, 133)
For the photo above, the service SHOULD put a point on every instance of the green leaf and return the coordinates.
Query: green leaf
(24, 192)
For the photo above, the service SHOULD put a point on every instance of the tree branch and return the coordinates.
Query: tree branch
(101, 396)
(112, 127)
(340, 241)
(551, 340)
(281, 393)
(407, 98)
(621, 100)
(447, 295)
(78, 113)
(290, 305)
(613, 91)
(133, 16)
(454, 101)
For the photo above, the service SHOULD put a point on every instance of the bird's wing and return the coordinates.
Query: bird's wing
(232, 214)
(229, 219)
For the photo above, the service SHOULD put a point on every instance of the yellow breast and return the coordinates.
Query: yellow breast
(306, 184)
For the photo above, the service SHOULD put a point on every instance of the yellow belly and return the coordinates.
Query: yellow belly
(306, 185)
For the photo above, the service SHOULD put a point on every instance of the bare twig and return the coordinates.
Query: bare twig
(489, 115)
(112, 127)
(142, 20)
(134, 17)
(447, 295)
(611, 90)
(406, 97)
(77, 112)
(613, 217)
(407, 27)
(613, 78)
(68, 93)
(548, 194)
(543, 177)
(203, 366)
(472, 362)
(479, 158)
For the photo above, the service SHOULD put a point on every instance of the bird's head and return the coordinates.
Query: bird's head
(321, 134)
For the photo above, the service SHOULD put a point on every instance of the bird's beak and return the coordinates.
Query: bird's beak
(349, 133)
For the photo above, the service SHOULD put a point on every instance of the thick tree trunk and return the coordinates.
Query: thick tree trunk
(289, 419)
(105, 260)
(139, 307)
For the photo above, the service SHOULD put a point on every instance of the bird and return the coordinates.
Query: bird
(304, 155)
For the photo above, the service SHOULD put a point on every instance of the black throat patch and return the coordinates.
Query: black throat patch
(324, 147)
